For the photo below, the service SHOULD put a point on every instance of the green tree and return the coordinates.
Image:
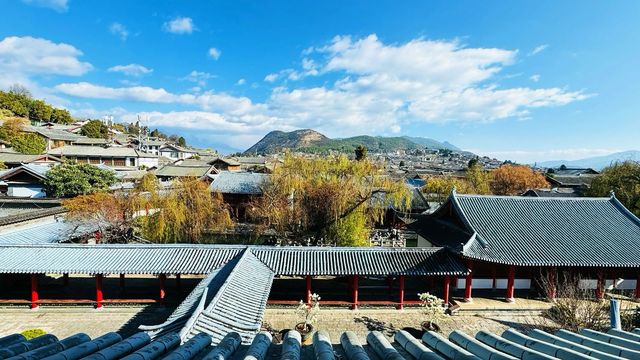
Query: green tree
(40, 111)
(29, 143)
(624, 179)
(11, 128)
(478, 179)
(61, 116)
(182, 142)
(72, 179)
(95, 129)
(16, 103)
(331, 198)
(361, 152)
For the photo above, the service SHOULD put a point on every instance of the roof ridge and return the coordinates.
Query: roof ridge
(519, 197)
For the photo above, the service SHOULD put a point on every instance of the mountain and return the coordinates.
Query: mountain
(431, 143)
(311, 141)
(596, 162)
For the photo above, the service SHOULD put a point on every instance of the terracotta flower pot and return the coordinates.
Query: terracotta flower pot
(430, 326)
(306, 331)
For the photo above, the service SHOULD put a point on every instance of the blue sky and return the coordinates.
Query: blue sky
(527, 81)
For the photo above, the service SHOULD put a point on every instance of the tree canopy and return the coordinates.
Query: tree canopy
(95, 129)
(332, 198)
(73, 179)
(624, 179)
(361, 152)
(29, 143)
(19, 102)
(516, 179)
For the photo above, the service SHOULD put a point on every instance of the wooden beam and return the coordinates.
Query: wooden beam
(99, 296)
(121, 281)
(34, 291)
(551, 283)
(401, 305)
(511, 284)
(467, 283)
(308, 293)
(355, 292)
(445, 290)
(163, 293)
(600, 285)
(65, 279)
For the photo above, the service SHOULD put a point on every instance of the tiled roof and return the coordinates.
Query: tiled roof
(45, 232)
(202, 259)
(239, 183)
(55, 134)
(360, 261)
(94, 151)
(238, 304)
(39, 171)
(534, 231)
(511, 344)
(114, 259)
(17, 158)
(571, 180)
(30, 215)
(183, 171)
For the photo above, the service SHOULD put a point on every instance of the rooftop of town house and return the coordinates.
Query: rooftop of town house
(535, 231)
(15, 158)
(94, 151)
(183, 170)
(244, 183)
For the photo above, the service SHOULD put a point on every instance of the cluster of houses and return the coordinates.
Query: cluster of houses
(129, 157)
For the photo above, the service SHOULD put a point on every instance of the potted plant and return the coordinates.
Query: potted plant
(309, 315)
(433, 308)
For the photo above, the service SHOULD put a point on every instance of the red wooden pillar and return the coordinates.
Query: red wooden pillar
(355, 293)
(638, 287)
(308, 293)
(510, 283)
(600, 286)
(551, 280)
(467, 282)
(99, 291)
(445, 290)
(34, 291)
(401, 306)
(163, 279)
(121, 281)
(178, 282)
(65, 279)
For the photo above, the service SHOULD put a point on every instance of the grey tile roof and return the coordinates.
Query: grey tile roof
(239, 183)
(39, 171)
(510, 344)
(17, 158)
(114, 259)
(238, 306)
(94, 151)
(44, 232)
(54, 134)
(28, 215)
(183, 171)
(360, 261)
(535, 231)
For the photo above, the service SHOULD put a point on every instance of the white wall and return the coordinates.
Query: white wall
(500, 283)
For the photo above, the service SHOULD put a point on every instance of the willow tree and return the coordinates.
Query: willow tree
(332, 198)
(184, 213)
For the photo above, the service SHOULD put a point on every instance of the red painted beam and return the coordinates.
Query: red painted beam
(401, 306)
(34, 291)
(511, 283)
(99, 296)
(308, 293)
(355, 293)
(467, 283)
(445, 290)
(163, 293)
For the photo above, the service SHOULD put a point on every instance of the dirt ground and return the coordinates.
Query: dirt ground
(483, 314)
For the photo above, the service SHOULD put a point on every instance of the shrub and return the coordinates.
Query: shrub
(33, 333)
(433, 306)
(309, 312)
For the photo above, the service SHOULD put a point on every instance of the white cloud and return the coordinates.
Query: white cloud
(28, 55)
(214, 53)
(198, 77)
(538, 49)
(380, 88)
(535, 77)
(271, 77)
(131, 69)
(119, 30)
(57, 5)
(179, 25)
(241, 82)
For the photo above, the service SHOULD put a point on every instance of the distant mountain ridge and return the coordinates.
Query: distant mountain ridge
(596, 162)
(308, 140)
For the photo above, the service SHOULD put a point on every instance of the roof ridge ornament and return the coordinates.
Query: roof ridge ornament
(612, 194)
